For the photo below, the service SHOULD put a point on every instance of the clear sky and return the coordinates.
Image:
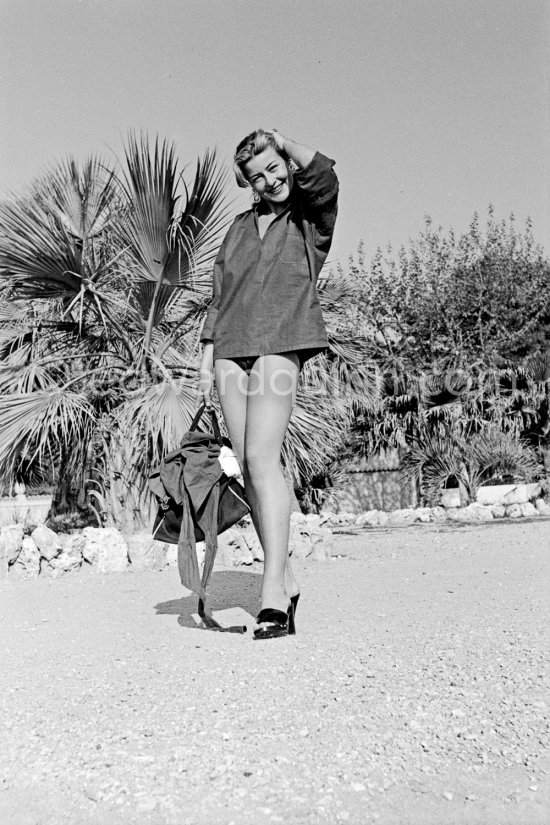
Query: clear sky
(428, 106)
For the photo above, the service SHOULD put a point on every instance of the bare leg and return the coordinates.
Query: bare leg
(271, 395)
(232, 389)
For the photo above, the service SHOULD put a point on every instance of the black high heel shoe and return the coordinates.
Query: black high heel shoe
(292, 614)
(279, 623)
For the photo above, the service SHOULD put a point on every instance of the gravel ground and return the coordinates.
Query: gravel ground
(414, 691)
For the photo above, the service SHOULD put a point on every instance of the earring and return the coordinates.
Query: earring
(256, 198)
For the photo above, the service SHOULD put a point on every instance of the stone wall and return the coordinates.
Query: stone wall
(105, 550)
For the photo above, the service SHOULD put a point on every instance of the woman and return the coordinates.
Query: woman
(263, 323)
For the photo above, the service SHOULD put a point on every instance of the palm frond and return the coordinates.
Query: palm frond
(33, 424)
(149, 184)
(433, 458)
(538, 367)
(47, 246)
(197, 230)
(80, 196)
(36, 252)
(156, 417)
(322, 407)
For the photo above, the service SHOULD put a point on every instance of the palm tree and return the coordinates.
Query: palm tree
(96, 296)
(104, 280)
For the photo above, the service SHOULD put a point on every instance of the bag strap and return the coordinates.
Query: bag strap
(215, 425)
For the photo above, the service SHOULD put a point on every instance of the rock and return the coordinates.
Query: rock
(340, 518)
(145, 553)
(69, 560)
(11, 540)
(425, 514)
(47, 541)
(372, 518)
(253, 542)
(402, 518)
(514, 511)
(27, 564)
(498, 510)
(473, 512)
(542, 507)
(233, 550)
(439, 514)
(311, 533)
(308, 536)
(105, 549)
(528, 510)
(308, 522)
(70, 557)
(300, 545)
(48, 570)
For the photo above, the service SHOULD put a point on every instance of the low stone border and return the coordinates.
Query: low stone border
(472, 513)
(105, 550)
(310, 537)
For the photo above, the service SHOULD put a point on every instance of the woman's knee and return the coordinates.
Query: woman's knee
(260, 463)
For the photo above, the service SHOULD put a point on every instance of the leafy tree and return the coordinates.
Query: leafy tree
(459, 330)
(455, 302)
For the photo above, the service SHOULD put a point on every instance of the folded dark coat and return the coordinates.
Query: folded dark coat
(190, 476)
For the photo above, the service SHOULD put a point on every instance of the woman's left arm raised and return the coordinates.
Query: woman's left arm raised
(301, 155)
(316, 181)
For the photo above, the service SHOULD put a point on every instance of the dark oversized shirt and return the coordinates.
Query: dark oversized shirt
(264, 289)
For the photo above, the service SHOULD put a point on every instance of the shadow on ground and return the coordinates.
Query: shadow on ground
(227, 589)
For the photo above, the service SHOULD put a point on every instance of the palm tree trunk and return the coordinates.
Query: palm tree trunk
(61, 496)
(151, 321)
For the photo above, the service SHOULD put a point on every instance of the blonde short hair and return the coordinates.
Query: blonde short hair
(249, 147)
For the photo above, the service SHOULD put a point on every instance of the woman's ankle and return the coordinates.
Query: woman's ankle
(275, 596)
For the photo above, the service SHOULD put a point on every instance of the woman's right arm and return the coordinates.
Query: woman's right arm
(206, 372)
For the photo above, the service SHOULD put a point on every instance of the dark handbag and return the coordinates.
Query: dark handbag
(232, 506)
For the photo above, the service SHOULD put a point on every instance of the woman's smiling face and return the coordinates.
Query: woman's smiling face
(269, 176)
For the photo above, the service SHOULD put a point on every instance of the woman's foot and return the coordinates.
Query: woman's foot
(273, 618)
(274, 597)
(273, 624)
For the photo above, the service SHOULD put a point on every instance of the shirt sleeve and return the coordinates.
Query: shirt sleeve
(317, 181)
(318, 187)
(207, 332)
